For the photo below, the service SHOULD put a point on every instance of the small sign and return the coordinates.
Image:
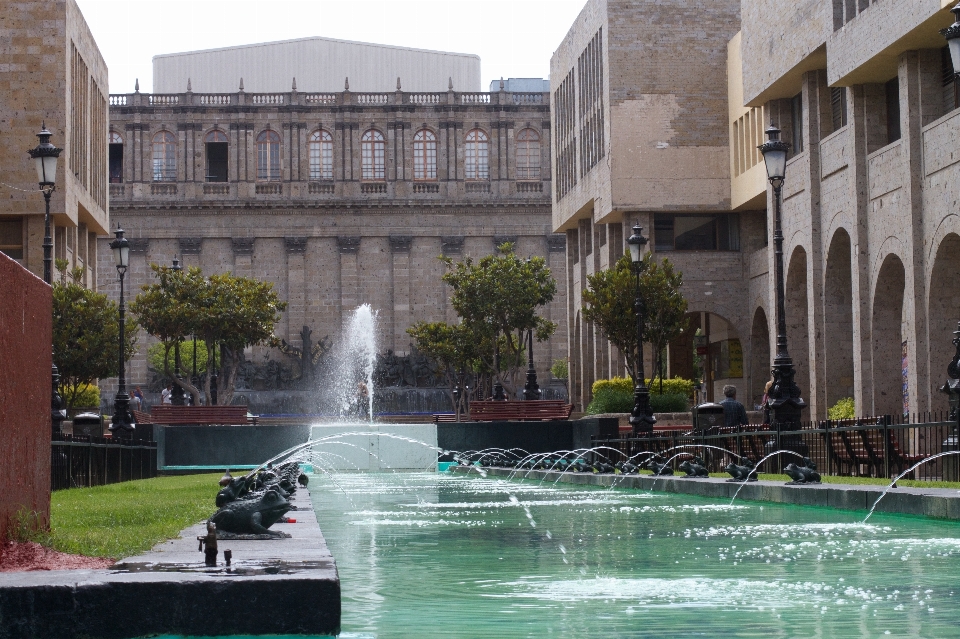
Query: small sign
(702, 350)
(700, 341)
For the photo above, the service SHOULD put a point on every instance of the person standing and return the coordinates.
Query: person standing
(166, 395)
(734, 414)
(138, 398)
(764, 403)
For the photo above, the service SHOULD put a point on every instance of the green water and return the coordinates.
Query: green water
(426, 555)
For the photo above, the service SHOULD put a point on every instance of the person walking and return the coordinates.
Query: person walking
(734, 414)
(138, 398)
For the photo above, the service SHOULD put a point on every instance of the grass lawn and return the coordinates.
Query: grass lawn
(125, 519)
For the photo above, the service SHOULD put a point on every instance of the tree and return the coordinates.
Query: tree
(156, 353)
(497, 298)
(608, 303)
(232, 312)
(453, 348)
(86, 335)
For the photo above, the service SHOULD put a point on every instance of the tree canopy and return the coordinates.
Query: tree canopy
(86, 336)
(226, 310)
(608, 303)
(496, 298)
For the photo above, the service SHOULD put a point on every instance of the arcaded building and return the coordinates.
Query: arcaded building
(51, 71)
(338, 198)
(654, 125)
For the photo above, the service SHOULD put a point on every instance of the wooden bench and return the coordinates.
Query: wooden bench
(539, 410)
(170, 415)
(864, 448)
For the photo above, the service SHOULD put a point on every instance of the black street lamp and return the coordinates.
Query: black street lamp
(177, 398)
(784, 397)
(641, 418)
(498, 394)
(45, 155)
(123, 423)
(531, 390)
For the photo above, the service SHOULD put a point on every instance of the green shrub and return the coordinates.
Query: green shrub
(669, 402)
(619, 400)
(610, 399)
(87, 396)
(673, 386)
(560, 370)
(843, 409)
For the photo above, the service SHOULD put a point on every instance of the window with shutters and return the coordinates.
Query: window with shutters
(217, 149)
(477, 156)
(425, 155)
(372, 154)
(164, 157)
(951, 99)
(268, 156)
(321, 155)
(838, 107)
(528, 155)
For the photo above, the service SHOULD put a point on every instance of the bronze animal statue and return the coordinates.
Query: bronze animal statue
(803, 474)
(694, 468)
(210, 541)
(627, 468)
(746, 472)
(253, 516)
(657, 468)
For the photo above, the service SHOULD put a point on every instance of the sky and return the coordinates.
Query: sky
(514, 38)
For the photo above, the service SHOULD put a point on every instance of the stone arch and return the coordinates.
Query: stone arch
(943, 313)
(728, 352)
(887, 337)
(838, 320)
(760, 359)
(797, 318)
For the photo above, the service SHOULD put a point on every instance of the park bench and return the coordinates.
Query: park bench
(864, 448)
(540, 410)
(175, 415)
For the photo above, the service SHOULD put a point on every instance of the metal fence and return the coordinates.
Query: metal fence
(78, 461)
(881, 446)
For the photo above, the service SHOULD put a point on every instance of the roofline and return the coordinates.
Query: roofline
(313, 39)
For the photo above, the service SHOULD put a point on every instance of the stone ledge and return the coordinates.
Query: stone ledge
(941, 503)
(276, 587)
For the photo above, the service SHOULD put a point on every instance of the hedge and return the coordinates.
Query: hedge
(673, 386)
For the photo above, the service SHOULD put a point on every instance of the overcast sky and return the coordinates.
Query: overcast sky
(514, 38)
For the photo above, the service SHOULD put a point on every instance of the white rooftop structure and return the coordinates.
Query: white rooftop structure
(318, 64)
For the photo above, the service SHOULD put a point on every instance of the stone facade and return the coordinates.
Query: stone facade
(332, 237)
(865, 96)
(51, 71)
(661, 127)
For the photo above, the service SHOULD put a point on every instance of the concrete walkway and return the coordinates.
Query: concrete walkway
(942, 503)
(275, 587)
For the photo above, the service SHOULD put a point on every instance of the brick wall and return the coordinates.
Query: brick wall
(26, 320)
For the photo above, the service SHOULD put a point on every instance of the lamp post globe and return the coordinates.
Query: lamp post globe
(784, 401)
(45, 156)
(641, 418)
(123, 423)
(177, 397)
(952, 35)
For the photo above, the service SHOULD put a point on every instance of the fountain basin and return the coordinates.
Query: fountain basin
(274, 587)
(376, 447)
(941, 503)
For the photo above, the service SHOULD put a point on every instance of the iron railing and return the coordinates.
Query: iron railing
(79, 462)
(881, 446)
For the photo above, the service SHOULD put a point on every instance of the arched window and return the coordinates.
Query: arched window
(115, 157)
(424, 155)
(528, 155)
(164, 157)
(477, 156)
(268, 156)
(321, 155)
(217, 154)
(371, 155)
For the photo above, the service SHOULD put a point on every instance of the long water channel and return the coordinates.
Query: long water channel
(425, 555)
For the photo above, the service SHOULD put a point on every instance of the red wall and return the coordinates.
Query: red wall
(26, 328)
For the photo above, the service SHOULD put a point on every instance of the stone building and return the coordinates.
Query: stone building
(51, 71)
(863, 92)
(337, 198)
(639, 117)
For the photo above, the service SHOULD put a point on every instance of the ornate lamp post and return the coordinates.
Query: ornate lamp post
(784, 398)
(531, 390)
(177, 397)
(45, 155)
(123, 422)
(498, 394)
(952, 35)
(641, 418)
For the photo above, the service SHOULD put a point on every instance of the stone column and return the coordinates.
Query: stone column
(296, 247)
(400, 251)
(349, 273)
(242, 256)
